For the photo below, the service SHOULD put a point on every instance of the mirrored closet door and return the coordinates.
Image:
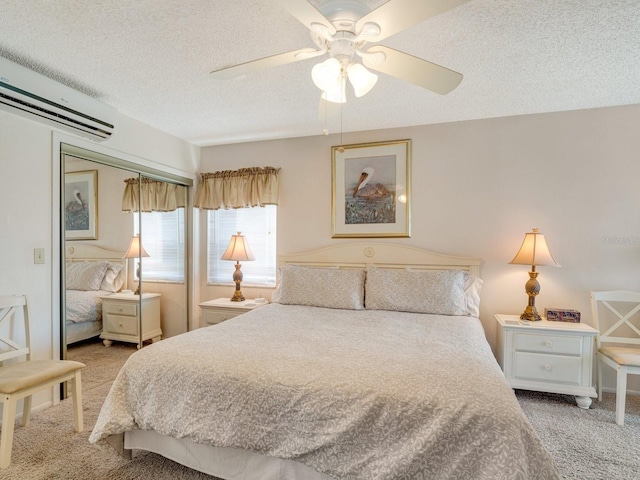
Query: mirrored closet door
(125, 244)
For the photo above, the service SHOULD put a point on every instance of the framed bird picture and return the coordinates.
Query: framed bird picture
(81, 205)
(371, 185)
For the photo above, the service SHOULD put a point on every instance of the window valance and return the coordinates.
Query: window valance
(246, 187)
(157, 196)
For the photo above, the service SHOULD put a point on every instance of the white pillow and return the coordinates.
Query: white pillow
(417, 291)
(113, 277)
(85, 275)
(472, 288)
(321, 287)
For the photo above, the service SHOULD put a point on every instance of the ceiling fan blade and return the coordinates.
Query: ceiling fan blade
(413, 69)
(233, 71)
(397, 15)
(309, 16)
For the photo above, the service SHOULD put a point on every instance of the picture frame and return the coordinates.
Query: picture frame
(81, 205)
(371, 187)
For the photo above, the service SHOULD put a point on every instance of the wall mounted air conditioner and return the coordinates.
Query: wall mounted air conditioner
(29, 94)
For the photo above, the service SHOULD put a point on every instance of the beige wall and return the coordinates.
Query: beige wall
(478, 187)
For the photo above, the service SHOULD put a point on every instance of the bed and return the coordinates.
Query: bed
(342, 376)
(91, 273)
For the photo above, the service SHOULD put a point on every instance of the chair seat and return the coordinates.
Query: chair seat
(22, 375)
(627, 356)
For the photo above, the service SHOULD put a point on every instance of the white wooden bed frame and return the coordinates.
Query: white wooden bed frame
(237, 464)
(82, 252)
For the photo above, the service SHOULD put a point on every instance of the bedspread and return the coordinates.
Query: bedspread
(84, 306)
(353, 394)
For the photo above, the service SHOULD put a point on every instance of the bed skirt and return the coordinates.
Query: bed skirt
(221, 462)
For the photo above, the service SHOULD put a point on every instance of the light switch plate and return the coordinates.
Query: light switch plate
(38, 256)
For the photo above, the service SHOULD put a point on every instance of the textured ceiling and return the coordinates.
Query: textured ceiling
(151, 60)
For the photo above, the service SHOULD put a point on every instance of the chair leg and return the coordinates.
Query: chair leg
(6, 436)
(76, 386)
(599, 380)
(621, 395)
(26, 411)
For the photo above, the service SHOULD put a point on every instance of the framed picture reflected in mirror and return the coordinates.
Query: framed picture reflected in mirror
(81, 205)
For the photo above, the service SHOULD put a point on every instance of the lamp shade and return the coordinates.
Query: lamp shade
(534, 251)
(326, 74)
(336, 93)
(361, 79)
(135, 249)
(238, 249)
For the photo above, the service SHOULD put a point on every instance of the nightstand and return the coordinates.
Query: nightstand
(221, 309)
(553, 357)
(127, 318)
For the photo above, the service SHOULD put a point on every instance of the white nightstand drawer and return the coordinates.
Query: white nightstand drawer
(547, 368)
(212, 316)
(121, 324)
(121, 308)
(555, 344)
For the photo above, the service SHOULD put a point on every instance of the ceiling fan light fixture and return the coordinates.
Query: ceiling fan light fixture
(336, 92)
(361, 79)
(326, 74)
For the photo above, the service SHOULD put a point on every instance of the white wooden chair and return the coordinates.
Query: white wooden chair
(618, 342)
(21, 379)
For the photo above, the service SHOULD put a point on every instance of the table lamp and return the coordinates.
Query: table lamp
(237, 250)
(534, 252)
(136, 250)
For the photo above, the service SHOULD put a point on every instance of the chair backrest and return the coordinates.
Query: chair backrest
(9, 347)
(622, 310)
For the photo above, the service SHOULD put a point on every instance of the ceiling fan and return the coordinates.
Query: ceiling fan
(346, 30)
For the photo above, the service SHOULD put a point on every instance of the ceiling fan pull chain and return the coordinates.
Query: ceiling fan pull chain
(341, 148)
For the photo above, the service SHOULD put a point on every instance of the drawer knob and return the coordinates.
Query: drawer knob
(120, 324)
(119, 309)
(547, 367)
(548, 343)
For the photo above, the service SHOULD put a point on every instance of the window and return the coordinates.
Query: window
(258, 224)
(163, 239)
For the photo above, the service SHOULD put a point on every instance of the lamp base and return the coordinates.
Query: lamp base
(238, 297)
(530, 314)
(237, 278)
(532, 287)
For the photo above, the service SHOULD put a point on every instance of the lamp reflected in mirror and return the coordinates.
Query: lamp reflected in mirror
(136, 250)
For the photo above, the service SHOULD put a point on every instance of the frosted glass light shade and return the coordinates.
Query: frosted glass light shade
(326, 75)
(361, 79)
(336, 93)
(534, 251)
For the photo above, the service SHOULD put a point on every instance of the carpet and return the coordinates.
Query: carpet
(586, 444)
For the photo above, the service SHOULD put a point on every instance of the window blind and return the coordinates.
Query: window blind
(259, 227)
(163, 239)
